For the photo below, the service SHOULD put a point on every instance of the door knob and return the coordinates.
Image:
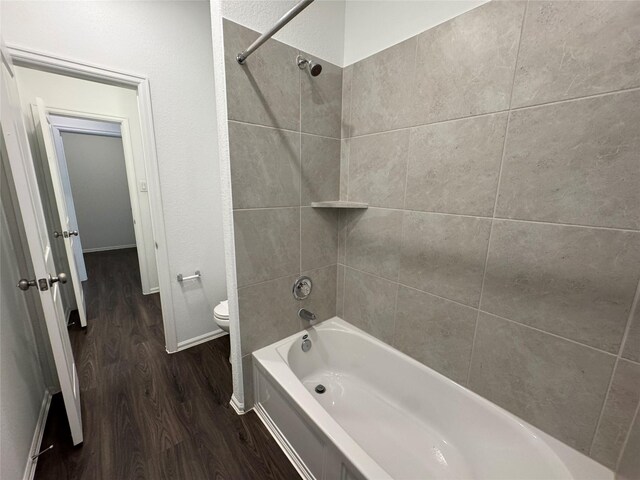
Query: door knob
(62, 278)
(74, 233)
(24, 284)
(57, 234)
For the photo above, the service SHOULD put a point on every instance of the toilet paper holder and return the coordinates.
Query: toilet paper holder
(182, 278)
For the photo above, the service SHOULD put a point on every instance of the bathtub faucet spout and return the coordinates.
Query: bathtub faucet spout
(305, 314)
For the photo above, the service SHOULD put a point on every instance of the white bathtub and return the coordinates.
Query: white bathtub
(385, 416)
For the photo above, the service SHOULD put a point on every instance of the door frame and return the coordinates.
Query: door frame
(72, 68)
(108, 126)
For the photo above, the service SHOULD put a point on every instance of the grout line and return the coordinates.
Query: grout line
(524, 325)
(627, 329)
(515, 69)
(270, 127)
(503, 219)
(586, 97)
(625, 444)
(301, 166)
(262, 282)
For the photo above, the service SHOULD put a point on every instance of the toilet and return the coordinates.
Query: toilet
(221, 315)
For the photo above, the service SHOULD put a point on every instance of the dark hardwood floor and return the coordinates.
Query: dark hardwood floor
(148, 414)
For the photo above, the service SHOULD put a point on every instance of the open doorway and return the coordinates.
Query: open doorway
(101, 193)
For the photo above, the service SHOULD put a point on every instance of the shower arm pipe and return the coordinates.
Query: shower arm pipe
(286, 18)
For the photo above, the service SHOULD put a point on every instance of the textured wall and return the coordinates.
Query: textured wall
(499, 154)
(170, 42)
(100, 190)
(284, 139)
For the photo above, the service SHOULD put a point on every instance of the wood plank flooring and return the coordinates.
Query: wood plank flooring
(148, 414)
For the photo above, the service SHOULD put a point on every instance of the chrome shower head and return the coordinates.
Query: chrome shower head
(314, 68)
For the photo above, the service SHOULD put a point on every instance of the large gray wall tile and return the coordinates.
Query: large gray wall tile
(576, 282)
(444, 255)
(266, 90)
(629, 468)
(268, 313)
(322, 300)
(340, 291)
(573, 49)
(632, 344)
(574, 162)
(319, 237)
(320, 169)
(264, 249)
(436, 332)
(321, 100)
(373, 241)
(369, 303)
(620, 406)
(378, 168)
(347, 76)
(454, 166)
(557, 385)
(465, 66)
(344, 168)
(381, 90)
(265, 166)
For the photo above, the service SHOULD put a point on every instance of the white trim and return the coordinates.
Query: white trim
(237, 405)
(284, 444)
(54, 63)
(105, 249)
(30, 469)
(227, 203)
(192, 342)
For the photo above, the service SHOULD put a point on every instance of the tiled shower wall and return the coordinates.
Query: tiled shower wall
(500, 156)
(284, 135)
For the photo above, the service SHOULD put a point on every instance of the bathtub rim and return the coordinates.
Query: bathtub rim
(273, 362)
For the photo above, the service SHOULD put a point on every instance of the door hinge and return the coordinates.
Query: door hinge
(43, 284)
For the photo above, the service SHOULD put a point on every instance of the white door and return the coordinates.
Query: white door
(45, 280)
(65, 221)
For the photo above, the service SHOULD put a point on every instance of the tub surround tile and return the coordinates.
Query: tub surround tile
(574, 49)
(629, 468)
(266, 89)
(631, 348)
(436, 332)
(378, 168)
(322, 300)
(369, 304)
(347, 76)
(319, 238)
(465, 66)
(340, 291)
(617, 415)
(269, 313)
(575, 282)
(321, 99)
(265, 166)
(454, 166)
(557, 385)
(320, 169)
(373, 241)
(381, 90)
(444, 255)
(344, 168)
(574, 162)
(264, 249)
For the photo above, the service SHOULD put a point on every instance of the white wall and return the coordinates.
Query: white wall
(373, 25)
(170, 43)
(22, 387)
(318, 30)
(60, 92)
(100, 191)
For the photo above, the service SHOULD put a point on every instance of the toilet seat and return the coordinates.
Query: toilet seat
(221, 315)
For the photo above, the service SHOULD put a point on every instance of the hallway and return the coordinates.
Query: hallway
(148, 414)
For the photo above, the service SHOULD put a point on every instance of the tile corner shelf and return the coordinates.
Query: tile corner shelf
(339, 204)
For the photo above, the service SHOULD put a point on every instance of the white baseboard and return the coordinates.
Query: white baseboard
(105, 249)
(284, 444)
(152, 290)
(192, 342)
(30, 469)
(237, 405)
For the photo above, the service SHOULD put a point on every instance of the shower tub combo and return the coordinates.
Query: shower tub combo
(352, 407)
